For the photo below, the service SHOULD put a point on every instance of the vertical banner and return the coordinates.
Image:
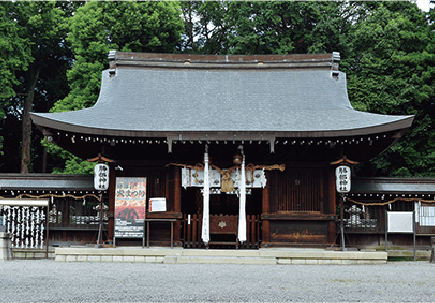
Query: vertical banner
(101, 176)
(342, 174)
(241, 232)
(130, 205)
(205, 234)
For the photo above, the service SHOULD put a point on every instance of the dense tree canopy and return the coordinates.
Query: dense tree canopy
(98, 27)
(392, 72)
(95, 29)
(387, 51)
(34, 62)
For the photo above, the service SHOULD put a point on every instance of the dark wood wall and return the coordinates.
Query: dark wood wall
(299, 206)
(162, 181)
(296, 189)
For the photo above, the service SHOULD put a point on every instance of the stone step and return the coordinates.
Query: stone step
(219, 260)
(217, 256)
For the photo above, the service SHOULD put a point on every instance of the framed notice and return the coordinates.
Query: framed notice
(130, 205)
(157, 204)
(400, 221)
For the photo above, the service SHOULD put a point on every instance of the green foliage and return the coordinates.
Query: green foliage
(392, 72)
(206, 28)
(34, 59)
(14, 53)
(98, 27)
(283, 27)
(270, 27)
(387, 50)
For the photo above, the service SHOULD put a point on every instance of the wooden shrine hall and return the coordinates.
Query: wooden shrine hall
(222, 151)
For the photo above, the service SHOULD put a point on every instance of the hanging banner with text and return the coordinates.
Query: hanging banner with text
(342, 175)
(130, 205)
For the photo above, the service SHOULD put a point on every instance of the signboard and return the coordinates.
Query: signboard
(157, 204)
(101, 176)
(424, 215)
(342, 175)
(400, 222)
(130, 204)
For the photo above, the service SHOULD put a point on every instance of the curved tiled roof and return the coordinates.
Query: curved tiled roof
(157, 98)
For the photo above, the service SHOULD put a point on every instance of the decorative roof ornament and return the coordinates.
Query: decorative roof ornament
(344, 161)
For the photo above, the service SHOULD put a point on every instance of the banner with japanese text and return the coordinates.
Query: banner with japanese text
(130, 205)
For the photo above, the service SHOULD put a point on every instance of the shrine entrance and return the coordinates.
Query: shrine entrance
(223, 220)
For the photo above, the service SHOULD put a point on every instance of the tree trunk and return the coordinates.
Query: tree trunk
(27, 108)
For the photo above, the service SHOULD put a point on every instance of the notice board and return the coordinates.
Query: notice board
(400, 221)
(130, 204)
(157, 204)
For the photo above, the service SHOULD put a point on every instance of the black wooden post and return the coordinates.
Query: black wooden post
(343, 243)
(100, 227)
(432, 254)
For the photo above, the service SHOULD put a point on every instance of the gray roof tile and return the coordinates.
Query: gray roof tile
(198, 100)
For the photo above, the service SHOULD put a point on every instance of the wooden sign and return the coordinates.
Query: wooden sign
(101, 176)
(342, 175)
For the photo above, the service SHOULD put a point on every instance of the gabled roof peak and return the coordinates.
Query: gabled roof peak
(227, 62)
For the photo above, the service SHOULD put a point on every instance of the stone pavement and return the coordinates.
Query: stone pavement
(50, 281)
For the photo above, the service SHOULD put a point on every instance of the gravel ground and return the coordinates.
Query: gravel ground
(49, 281)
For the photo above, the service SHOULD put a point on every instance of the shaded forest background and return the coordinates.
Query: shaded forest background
(52, 55)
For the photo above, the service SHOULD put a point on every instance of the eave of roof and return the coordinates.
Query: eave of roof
(46, 182)
(155, 95)
(386, 185)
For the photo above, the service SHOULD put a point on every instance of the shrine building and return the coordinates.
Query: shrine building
(222, 151)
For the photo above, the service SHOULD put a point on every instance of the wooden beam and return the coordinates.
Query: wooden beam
(177, 203)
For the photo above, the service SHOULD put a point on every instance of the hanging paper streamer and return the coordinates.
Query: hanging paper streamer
(205, 217)
(241, 233)
(26, 224)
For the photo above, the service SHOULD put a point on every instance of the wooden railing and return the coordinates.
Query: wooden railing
(253, 231)
(192, 227)
(68, 213)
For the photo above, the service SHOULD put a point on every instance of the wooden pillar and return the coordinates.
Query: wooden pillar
(177, 203)
(112, 192)
(65, 213)
(331, 206)
(265, 211)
